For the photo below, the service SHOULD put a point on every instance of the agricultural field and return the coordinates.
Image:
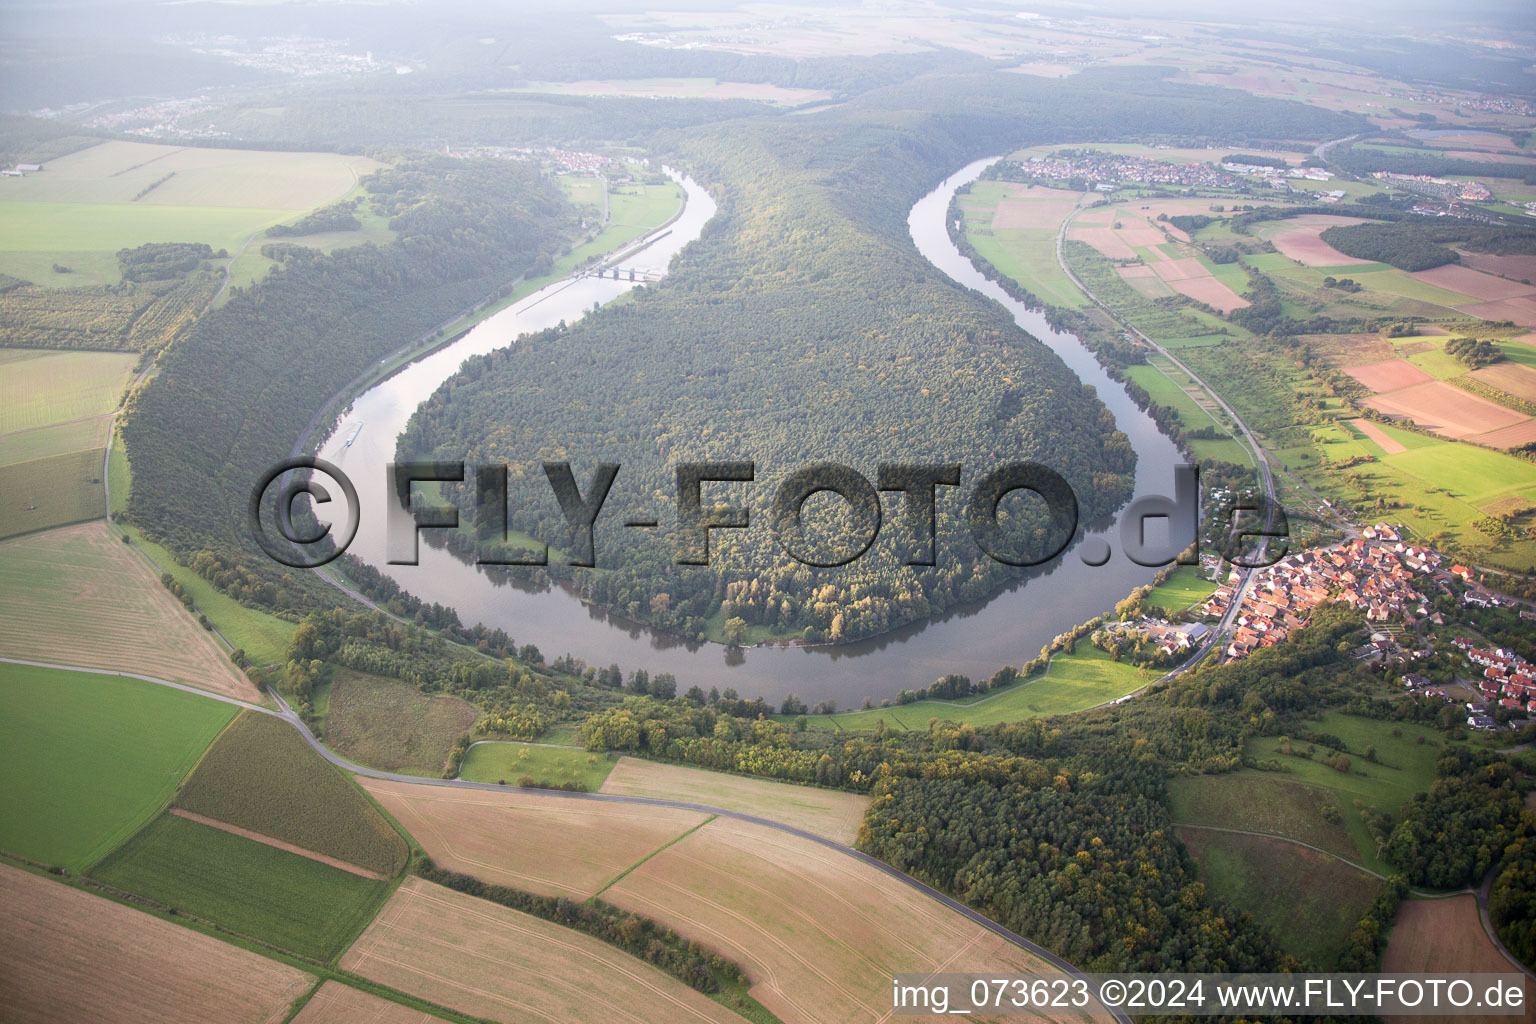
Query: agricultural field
(249, 888)
(55, 490)
(1073, 682)
(336, 1003)
(1309, 901)
(633, 211)
(390, 725)
(1013, 227)
(1443, 486)
(491, 961)
(1131, 232)
(88, 759)
(261, 775)
(263, 637)
(818, 932)
(78, 595)
(538, 843)
(117, 195)
(45, 387)
(66, 954)
(1442, 935)
(55, 417)
(508, 763)
(826, 812)
(1446, 410)
(1297, 239)
(60, 439)
(583, 190)
(1171, 387)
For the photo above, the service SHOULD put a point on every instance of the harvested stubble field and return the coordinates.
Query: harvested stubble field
(77, 595)
(826, 812)
(336, 1003)
(540, 844)
(261, 775)
(390, 725)
(70, 955)
(1510, 437)
(491, 961)
(129, 744)
(250, 888)
(1211, 292)
(818, 932)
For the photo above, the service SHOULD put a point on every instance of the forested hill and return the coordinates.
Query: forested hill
(229, 400)
(804, 326)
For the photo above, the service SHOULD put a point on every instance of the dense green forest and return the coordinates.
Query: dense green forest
(229, 400)
(1398, 244)
(827, 338)
(1417, 245)
(1449, 837)
(336, 217)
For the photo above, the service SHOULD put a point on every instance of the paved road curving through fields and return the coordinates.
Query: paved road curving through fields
(288, 715)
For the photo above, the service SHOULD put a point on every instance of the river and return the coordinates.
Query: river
(1008, 629)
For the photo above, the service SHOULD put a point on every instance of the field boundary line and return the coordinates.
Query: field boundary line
(664, 846)
(277, 844)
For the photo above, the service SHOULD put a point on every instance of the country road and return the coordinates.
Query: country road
(288, 715)
(1266, 475)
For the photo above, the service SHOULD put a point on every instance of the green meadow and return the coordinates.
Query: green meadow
(1184, 588)
(1073, 682)
(506, 763)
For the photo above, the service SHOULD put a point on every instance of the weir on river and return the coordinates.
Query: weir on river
(1010, 628)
